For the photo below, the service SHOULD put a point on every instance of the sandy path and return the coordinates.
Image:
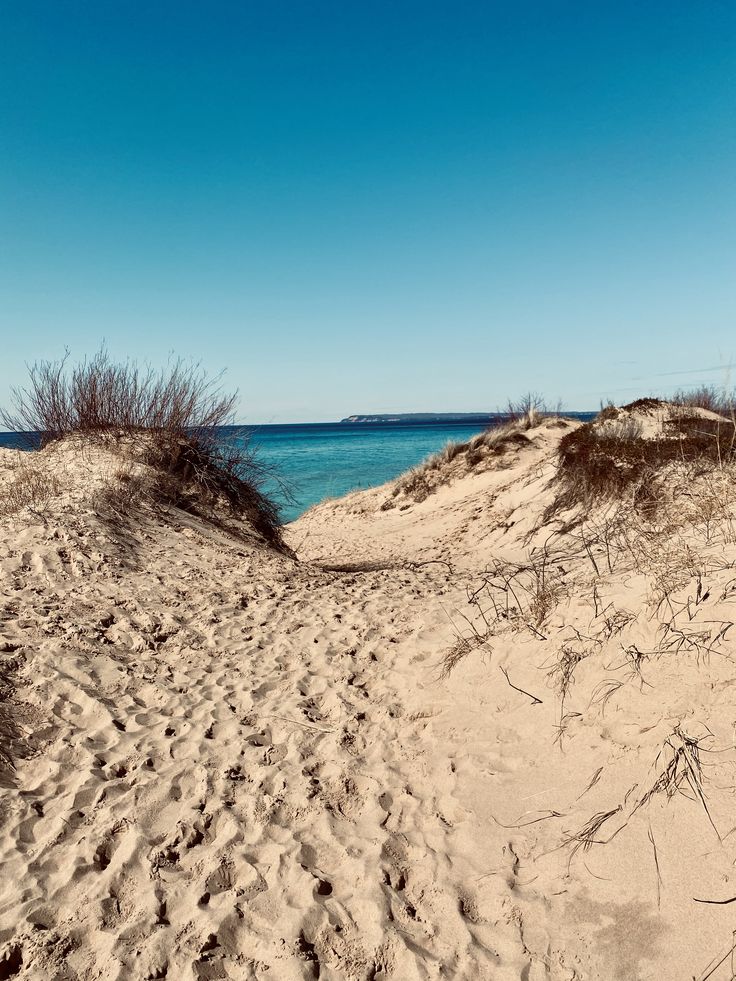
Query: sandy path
(235, 765)
(229, 776)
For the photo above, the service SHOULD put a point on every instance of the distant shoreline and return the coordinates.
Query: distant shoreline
(466, 417)
(469, 418)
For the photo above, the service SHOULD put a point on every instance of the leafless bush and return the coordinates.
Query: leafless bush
(101, 396)
(177, 420)
(530, 407)
(608, 411)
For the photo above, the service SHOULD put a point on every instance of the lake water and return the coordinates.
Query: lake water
(320, 460)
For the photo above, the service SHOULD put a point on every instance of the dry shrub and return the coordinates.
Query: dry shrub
(607, 413)
(530, 407)
(101, 396)
(646, 404)
(177, 420)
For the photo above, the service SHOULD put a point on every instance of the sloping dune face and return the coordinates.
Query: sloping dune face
(465, 733)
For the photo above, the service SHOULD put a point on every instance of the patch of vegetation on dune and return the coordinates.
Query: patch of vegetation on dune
(175, 424)
(490, 448)
(616, 458)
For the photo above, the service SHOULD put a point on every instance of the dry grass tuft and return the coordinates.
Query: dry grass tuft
(590, 833)
(8, 730)
(683, 772)
(488, 449)
(27, 485)
(510, 596)
(463, 646)
(123, 493)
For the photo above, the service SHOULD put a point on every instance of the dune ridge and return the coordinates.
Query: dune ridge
(467, 736)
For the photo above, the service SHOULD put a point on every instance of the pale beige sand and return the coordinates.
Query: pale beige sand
(237, 765)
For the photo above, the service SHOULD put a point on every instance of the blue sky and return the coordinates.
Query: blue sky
(373, 207)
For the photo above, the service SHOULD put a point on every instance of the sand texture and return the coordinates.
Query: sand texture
(225, 762)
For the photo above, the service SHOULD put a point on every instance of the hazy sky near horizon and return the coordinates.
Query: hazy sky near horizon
(374, 207)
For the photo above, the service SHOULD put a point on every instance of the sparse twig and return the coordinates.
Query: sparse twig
(535, 700)
(650, 835)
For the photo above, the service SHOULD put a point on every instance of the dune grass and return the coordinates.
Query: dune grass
(463, 457)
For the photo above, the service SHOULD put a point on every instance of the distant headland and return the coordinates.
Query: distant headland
(467, 417)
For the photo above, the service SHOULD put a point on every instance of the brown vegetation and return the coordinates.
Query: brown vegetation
(707, 397)
(611, 459)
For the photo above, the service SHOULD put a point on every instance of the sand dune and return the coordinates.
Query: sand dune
(232, 763)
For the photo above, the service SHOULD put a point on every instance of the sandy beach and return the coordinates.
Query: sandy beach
(453, 735)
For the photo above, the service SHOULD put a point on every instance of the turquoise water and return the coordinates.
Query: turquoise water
(320, 460)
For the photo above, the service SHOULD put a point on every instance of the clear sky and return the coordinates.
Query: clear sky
(365, 207)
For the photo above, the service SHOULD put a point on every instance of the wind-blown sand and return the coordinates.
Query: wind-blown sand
(229, 763)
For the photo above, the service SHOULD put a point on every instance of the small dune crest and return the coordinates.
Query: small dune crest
(645, 453)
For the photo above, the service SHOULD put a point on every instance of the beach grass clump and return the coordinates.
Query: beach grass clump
(178, 421)
(457, 458)
(25, 484)
(9, 731)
